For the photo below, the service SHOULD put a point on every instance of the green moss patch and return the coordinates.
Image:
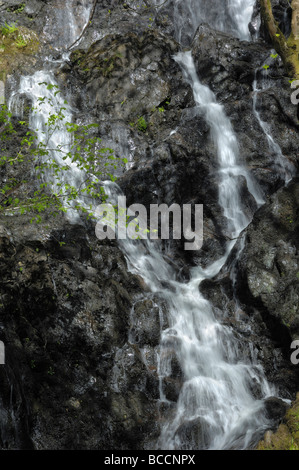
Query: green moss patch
(287, 435)
(18, 45)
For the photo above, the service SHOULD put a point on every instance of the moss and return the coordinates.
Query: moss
(292, 417)
(77, 55)
(293, 56)
(16, 48)
(287, 48)
(16, 8)
(287, 435)
(281, 440)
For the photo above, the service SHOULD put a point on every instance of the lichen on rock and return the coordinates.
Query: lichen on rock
(18, 50)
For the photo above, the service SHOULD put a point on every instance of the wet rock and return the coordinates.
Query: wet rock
(230, 69)
(275, 408)
(171, 388)
(64, 316)
(271, 259)
(191, 433)
(285, 437)
(145, 317)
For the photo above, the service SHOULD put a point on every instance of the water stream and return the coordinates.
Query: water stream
(216, 398)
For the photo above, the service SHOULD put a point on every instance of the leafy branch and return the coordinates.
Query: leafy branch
(53, 165)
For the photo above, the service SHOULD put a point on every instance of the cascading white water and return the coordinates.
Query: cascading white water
(216, 396)
(217, 380)
(66, 22)
(227, 150)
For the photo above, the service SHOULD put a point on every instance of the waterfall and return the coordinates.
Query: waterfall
(215, 405)
(227, 150)
(216, 402)
(216, 398)
(216, 394)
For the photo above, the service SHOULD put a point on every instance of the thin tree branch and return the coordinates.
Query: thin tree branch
(85, 27)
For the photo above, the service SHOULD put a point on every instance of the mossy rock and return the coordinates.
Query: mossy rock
(280, 440)
(287, 435)
(17, 50)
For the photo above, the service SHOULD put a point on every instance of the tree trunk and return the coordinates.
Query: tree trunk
(288, 49)
(295, 19)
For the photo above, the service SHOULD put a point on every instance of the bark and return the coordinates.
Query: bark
(295, 19)
(288, 49)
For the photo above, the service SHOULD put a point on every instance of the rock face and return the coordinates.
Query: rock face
(81, 332)
(65, 316)
(270, 264)
(230, 68)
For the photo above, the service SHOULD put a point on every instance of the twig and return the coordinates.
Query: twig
(85, 27)
(155, 7)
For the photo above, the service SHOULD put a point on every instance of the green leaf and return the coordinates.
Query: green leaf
(84, 152)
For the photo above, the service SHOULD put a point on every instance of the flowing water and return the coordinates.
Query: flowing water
(227, 150)
(215, 400)
(216, 396)
(71, 18)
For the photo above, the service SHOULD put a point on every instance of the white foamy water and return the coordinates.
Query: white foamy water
(216, 402)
